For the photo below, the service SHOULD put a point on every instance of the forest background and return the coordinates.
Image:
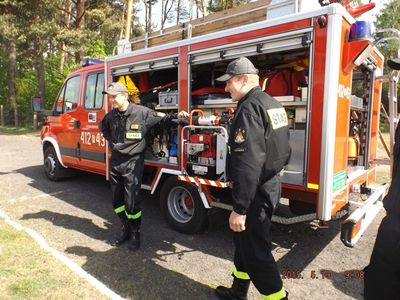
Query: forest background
(42, 41)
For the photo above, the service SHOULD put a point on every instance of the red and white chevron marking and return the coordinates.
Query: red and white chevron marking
(203, 181)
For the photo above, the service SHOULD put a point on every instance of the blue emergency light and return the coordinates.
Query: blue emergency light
(91, 61)
(360, 30)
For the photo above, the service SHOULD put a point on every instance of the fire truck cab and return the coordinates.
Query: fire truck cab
(320, 64)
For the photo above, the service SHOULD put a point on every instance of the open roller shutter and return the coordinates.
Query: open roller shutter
(274, 43)
(146, 66)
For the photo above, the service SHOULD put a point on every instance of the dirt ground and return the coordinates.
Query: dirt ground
(75, 217)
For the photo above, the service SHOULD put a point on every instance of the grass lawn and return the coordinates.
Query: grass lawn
(383, 171)
(18, 130)
(28, 272)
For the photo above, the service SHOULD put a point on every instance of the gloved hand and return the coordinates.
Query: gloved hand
(183, 114)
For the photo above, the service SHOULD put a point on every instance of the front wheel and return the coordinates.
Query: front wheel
(182, 206)
(52, 166)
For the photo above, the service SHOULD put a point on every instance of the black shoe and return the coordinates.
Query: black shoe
(134, 243)
(238, 291)
(122, 237)
(225, 293)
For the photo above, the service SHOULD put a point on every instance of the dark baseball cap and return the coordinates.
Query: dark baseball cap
(394, 63)
(115, 88)
(242, 65)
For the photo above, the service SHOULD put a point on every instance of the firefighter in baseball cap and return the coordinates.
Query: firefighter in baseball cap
(125, 128)
(259, 148)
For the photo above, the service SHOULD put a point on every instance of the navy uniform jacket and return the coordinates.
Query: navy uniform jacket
(259, 148)
(126, 131)
(392, 200)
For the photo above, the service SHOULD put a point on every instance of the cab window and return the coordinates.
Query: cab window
(94, 89)
(69, 95)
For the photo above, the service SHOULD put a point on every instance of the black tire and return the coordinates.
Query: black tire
(299, 208)
(52, 167)
(182, 206)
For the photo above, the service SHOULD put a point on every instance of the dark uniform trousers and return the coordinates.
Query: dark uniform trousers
(126, 134)
(382, 276)
(253, 258)
(259, 149)
(126, 178)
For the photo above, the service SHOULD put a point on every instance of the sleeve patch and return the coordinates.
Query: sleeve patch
(278, 117)
(240, 135)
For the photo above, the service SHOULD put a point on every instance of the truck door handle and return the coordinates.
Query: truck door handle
(78, 150)
(77, 124)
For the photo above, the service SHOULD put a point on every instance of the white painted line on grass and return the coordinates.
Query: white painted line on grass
(7, 219)
(65, 260)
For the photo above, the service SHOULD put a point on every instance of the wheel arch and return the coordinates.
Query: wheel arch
(163, 174)
(52, 142)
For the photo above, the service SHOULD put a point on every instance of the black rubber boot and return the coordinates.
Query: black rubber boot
(123, 236)
(238, 291)
(287, 296)
(134, 243)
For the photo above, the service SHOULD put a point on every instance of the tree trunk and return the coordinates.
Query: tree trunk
(63, 56)
(203, 8)
(190, 9)
(67, 19)
(197, 9)
(166, 7)
(149, 29)
(162, 14)
(12, 60)
(128, 20)
(79, 25)
(178, 12)
(41, 76)
(121, 32)
(146, 21)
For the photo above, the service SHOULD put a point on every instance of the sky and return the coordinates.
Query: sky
(374, 12)
(371, 15)
(156, 13)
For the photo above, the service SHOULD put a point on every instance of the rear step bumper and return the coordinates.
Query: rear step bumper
(359, 220)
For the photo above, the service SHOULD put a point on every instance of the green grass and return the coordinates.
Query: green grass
(28, 272)
(18, 130)
(383, 171)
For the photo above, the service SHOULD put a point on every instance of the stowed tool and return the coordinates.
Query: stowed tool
(224, 119)
(206, 143)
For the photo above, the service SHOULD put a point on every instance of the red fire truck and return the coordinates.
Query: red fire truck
(322, 66)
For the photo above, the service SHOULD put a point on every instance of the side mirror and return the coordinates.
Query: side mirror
(37, 104)
(394, 63)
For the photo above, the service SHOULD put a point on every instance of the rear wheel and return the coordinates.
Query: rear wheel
(52, 166)
(182, 206)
